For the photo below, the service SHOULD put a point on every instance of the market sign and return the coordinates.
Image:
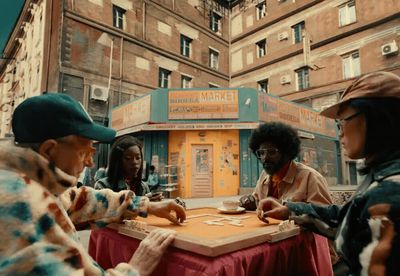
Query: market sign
(131, 114)
(185, 126)
(203, 104)
(275, 109)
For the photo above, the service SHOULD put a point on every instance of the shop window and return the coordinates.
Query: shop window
(322, 155)
(352, 173)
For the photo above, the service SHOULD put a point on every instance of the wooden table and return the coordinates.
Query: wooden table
(201, 249)
(212, 233)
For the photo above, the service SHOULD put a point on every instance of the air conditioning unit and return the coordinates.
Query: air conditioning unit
(285, 79)
(389, 49)
(283, 36)
(99, 93)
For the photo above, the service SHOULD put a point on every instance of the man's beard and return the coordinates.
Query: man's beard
(273, 167)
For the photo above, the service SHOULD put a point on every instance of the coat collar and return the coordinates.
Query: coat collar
(291, 173)
(288, 178)
(388, 168)
(36, 167)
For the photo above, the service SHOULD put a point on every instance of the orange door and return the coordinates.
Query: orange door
(202, 170)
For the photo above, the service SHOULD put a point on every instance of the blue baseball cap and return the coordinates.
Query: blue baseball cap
(55, 115)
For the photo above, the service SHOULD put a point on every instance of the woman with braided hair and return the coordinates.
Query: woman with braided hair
(125, 168)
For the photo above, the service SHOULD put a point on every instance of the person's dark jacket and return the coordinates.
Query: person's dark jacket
(356, 227)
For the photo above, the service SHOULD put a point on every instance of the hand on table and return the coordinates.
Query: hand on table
(163, 209)
(270, 207)
(150, 251)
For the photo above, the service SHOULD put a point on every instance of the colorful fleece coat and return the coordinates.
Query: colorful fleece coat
(39, 208)
(121, 185)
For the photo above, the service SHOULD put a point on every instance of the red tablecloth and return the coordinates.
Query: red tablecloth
(305, 254)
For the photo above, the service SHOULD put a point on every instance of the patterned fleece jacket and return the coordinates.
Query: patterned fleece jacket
(39, 209)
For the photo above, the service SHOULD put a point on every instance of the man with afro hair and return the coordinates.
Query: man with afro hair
(276, 145)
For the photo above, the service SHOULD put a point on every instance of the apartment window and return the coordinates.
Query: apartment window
(261, 48)
(118, 17)
(297, 31)
(351, 65)
(347, 13)
(303, 81)
(164, 76)
(186, 43)
(215, 22)
(263, 86)
(214, 57)
(261, 10)
(186, 82)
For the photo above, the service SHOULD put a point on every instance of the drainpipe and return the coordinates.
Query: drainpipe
(111, 60)
(144, 21)
(121, 54)
(229, 44)
(49, 40)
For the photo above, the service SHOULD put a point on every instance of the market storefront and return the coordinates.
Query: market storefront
(198, 138)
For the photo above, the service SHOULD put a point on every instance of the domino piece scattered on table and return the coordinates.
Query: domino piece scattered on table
(285, 225)
(198, 216)
(242, 217)
(236, 223)
(211, 222)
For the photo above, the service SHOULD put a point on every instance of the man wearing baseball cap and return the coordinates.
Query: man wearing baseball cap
(40, 205)
(366, 229)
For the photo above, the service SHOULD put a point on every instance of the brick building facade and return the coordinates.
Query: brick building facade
(107, 52)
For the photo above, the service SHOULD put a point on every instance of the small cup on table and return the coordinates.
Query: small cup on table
(231, 204)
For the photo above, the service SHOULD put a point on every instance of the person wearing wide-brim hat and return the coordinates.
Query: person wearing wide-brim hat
(366, 229)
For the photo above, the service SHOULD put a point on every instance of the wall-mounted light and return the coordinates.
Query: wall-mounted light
(202, 134)
(248, 101)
